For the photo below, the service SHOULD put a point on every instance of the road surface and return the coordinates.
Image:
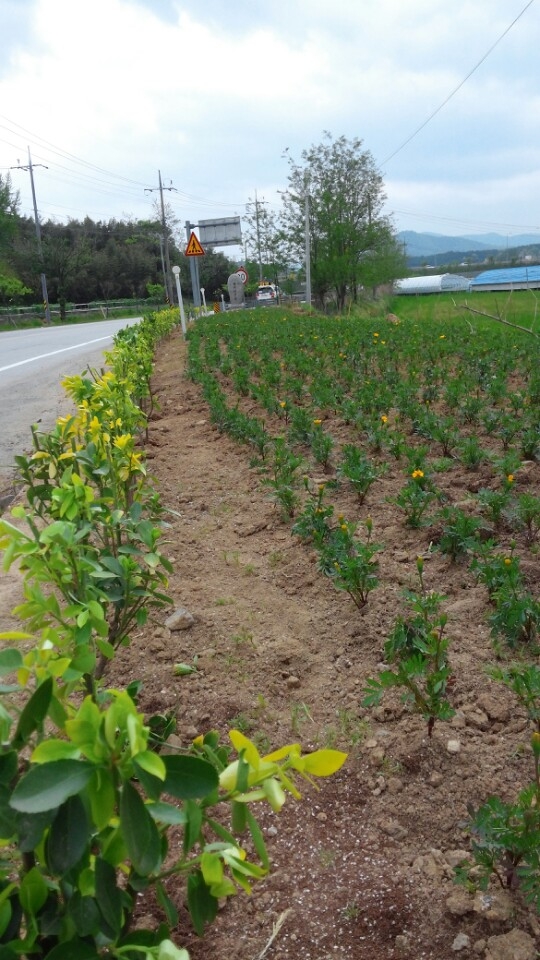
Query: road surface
(32, 366)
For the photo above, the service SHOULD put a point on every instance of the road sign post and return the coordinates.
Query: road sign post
(194, 250)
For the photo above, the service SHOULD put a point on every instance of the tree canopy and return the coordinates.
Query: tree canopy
(352, 241)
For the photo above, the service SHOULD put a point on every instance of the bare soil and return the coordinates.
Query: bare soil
(362, 868)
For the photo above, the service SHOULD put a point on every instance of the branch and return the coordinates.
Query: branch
(491, 316)
(275, 930)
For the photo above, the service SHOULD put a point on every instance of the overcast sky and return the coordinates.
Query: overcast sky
(107, 92)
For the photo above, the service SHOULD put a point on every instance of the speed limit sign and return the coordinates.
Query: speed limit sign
(242, 273)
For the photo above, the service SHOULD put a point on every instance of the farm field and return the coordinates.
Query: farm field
(319, 469)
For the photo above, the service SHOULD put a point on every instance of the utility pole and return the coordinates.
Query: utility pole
(307, 243)
(43, 278)
(167, 272)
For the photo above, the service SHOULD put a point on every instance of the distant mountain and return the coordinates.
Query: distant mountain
(430, 244)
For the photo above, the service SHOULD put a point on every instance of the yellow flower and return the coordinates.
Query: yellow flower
(122, 441)
(283, 404)
(384, 418)
(510, 478)
(317, 423)
(507, 561)
(442, 337)
(417, 474)
(375, 334)
(344, 527)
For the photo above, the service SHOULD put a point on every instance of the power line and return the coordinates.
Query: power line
(57, 151)
(459, 86)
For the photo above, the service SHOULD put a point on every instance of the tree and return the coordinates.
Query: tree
(264, 240)
(352, 241)
(9, 202)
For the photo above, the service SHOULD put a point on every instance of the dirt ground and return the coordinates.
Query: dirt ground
(361, 869)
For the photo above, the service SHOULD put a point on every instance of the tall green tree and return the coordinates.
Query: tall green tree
(352, 240)
(264, 240)
(9, 202)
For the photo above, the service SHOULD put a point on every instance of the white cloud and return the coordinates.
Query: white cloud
(211, 95)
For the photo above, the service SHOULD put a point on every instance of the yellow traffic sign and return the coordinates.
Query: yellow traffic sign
(194, 248)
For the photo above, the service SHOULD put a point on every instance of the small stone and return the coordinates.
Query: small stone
(459, 903)
(496, 905)
(293, 683)
(376, 757)
(453, 746)
(394, 785)
(436, 779)
(181, 619)
(461, 942)
(393, 829)
(322, 817)
(477, 719)
(401, 944)
(496, 709)
(516, 945)
(479, 945)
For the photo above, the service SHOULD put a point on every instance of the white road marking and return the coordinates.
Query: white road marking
(42, 356)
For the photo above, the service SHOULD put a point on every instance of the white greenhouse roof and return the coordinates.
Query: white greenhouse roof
(432, 284)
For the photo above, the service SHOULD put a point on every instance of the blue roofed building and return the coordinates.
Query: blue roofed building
(508, 278)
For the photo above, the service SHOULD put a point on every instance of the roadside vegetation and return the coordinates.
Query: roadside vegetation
(91, 810)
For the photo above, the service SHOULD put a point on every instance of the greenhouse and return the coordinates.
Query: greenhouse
(442, 283)
(511, 278)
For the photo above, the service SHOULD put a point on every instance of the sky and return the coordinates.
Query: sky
(213, 96)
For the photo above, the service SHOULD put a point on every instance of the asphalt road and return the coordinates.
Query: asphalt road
(32, 366)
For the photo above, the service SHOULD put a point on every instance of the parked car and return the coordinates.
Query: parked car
(266, 293)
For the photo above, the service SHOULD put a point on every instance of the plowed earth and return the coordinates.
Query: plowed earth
(362, 868)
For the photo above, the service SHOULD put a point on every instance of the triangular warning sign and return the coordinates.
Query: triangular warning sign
(194, 248)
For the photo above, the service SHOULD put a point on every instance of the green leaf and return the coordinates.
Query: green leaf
(50, 750)
(30, 829)
(193, 824)
(34, 713)
(68, 837)
(33, 891)
(201, 904)
(102, 796)
(140, 832)
(109, 899)
(6, 913)
(150, 762)
(239, 818)
(8, 766)
(166, 813)
(48, 785)
(166, 905)
(8, 817)
(258, 839)
(71, 949)
(189, 777)
(11, 659)
(84, 913)
(105, 648)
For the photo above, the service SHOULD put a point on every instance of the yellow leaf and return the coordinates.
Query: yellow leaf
(283, 752)
(240, 742)
(323, 763)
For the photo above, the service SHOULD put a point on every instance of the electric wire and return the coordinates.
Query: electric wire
(459, 86)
